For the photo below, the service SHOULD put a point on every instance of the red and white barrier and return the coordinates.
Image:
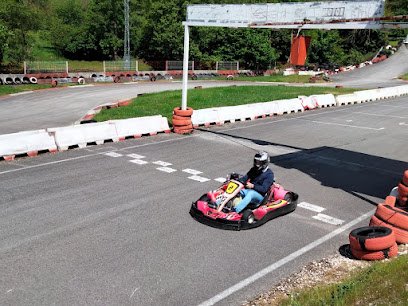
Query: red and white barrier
(83, 134)
(308, 102)
(327, 100)
(29, 142)
(136, 127)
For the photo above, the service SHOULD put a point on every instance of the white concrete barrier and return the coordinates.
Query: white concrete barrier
(205, 116)
(289, 106)
(327, 100)
(136, 127)
(308, 102)
(83, 134)
(348, 99)
(29, 142)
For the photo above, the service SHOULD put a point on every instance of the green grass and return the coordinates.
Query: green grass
(383, 283)
(274, 78)
(11, 89)
(405, 77)
(163, 103)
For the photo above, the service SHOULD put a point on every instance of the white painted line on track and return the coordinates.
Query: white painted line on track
(21, 93)
(191, 171)
(347, 125)
(248, 281)
(136, 156)
(221, 179)
(328, 219)
(311, 207)
(138, 162)
(379, 115)
(80, 86)
(402, 123)
(166, 169)
(199, 178)
(162, 163)
(113, 154)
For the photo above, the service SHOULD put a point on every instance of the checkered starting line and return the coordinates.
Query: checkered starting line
(165, 167)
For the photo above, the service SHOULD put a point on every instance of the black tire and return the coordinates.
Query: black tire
(288, 197)
(248, 216)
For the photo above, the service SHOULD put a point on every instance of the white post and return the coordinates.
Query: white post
(25, 67)
(216, 66)
(185, 66)
(66, 67)
(237, 66)
(104, 68)
(137, 65)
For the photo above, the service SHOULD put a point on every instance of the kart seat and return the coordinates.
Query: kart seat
(263, 202)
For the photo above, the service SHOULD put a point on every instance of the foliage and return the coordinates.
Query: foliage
(94, 30)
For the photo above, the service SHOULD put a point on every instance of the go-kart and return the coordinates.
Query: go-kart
(215, 208)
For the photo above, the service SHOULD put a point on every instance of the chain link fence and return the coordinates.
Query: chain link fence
(46, 67)
(120, 65)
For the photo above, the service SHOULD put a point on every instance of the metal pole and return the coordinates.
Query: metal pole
(25, 67)
(185, 66)
(66, 67)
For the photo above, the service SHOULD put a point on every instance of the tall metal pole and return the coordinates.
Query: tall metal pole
(185, 66)
(126, 55)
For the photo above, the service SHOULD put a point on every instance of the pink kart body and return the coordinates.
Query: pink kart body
(216, 206)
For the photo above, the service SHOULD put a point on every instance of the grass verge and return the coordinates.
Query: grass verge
(12, 89)
(405, 77)
(382, 283)
(273, 78)
(163, 103)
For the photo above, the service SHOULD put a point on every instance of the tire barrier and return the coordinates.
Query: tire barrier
(182, 123)
(26, 80)
(81, 81)
(1, 81)
(9, 81)
(401, 236)
(393, 215)
(373, 243)
(371, 238)
(54, 83)
(376, 255)
(403, 190)
(17, 81)
(33, 80)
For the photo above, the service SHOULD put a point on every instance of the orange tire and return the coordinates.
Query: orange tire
(179, 131)
(392, 215)
(390, 200)
(372, 238)
(405, 178)
(402, 201)
(184, 127)
(183, 112)
(376, 255)
(177, 117)
(181, 122)
(402, 190)
(401, 236)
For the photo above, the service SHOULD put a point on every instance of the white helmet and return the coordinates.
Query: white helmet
(261, 160)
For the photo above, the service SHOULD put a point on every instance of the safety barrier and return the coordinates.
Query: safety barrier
(136, 127)
(316, 101)
(29, 142)
(84, 134)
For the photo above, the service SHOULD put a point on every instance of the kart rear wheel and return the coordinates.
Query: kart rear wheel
(248, 216)
(288, 197)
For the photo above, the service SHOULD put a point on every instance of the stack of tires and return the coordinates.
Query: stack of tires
(373, 243)
(394, 218)
(403, 190)
(182, 120)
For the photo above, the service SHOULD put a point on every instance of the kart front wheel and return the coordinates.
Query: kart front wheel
(248, 216)
(288, 197)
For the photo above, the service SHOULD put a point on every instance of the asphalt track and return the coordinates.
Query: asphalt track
(65, 106)
(109, 224)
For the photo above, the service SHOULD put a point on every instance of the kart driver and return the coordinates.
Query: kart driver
(257, 181)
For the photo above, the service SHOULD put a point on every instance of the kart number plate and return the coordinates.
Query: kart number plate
(231, 187)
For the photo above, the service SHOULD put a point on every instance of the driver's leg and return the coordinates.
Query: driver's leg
(250, 196)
